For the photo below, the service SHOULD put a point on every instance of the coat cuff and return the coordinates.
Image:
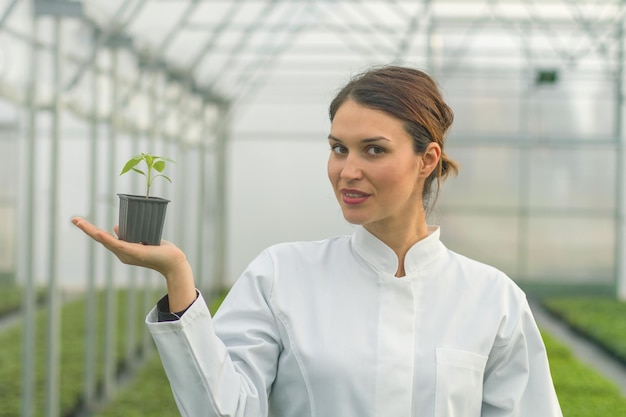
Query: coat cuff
(164, 313)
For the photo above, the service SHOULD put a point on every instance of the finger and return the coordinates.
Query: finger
(82, 224)
(92, 231)
(116, 229)
(77, 219)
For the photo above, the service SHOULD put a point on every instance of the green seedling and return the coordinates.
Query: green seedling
(155, 164)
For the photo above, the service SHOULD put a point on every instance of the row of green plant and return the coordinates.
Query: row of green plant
(600, 319)
(149, 393)
(72, 352)
(12, 298)
(582, 391)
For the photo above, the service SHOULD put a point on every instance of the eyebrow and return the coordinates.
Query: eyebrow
(366, 140)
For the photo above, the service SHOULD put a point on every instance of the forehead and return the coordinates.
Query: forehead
(353, 120)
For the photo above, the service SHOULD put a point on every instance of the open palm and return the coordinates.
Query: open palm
(163, 258)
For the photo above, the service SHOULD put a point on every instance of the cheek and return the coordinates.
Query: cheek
(389, 178)
(398, 176)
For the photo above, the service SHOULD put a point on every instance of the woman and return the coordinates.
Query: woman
(385, 322)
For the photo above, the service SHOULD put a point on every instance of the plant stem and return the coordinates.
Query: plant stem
(149, 182)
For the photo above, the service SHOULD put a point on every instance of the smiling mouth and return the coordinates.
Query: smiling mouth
(353, 197)
(353, 193)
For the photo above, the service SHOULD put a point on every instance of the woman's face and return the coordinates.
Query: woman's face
(376, 175)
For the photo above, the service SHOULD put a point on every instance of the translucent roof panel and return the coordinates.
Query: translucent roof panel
(230, 48)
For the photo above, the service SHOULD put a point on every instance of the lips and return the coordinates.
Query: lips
(353, 197)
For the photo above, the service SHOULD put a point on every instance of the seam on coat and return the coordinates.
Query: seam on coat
(278, 314)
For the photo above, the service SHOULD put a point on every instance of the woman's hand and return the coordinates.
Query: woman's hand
(164, 258)
(167, 259)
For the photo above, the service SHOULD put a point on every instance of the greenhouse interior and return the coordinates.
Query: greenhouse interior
(236, 94)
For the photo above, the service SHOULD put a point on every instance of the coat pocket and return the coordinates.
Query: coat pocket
(459, 386)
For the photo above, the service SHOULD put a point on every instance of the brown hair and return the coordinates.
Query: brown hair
(411, 96)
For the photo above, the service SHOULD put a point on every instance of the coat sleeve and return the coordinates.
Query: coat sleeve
(517, 380)
(226, 366)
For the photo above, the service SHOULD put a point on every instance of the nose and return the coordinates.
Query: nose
(351, 169)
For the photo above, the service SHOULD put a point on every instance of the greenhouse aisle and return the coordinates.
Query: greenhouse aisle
(584, 350)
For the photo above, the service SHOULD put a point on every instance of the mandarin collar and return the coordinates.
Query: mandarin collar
(383, 258)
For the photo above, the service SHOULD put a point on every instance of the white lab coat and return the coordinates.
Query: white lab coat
(325, 329)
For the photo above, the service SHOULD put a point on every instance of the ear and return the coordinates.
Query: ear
(430, 159)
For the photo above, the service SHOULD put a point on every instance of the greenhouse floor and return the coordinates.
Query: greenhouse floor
(586, 351)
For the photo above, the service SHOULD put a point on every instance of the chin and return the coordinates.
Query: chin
(355, 220)
(356, 215)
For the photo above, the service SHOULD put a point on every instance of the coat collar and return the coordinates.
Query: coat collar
(380, 256)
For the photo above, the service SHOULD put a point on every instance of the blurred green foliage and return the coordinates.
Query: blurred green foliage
(601, 319)
(582, 391)
(72, 353)
(12, 296)
(149, 393)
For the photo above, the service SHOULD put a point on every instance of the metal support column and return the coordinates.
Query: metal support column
(202, 172)
(169, 148)
(110, 363)
(221, 214)
(526, 96)
(53, 313)
(29, 338)
(91, 335)
(620, 230)
(182, 147)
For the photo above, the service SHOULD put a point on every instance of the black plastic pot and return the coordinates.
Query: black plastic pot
(142, 219)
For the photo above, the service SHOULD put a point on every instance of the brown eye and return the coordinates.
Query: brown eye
(338, 149)
(375, 150)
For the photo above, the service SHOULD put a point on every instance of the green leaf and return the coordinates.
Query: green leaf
(159, 166)
(139, 171)
(130, 164)
(164, 176)
(153, 162)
